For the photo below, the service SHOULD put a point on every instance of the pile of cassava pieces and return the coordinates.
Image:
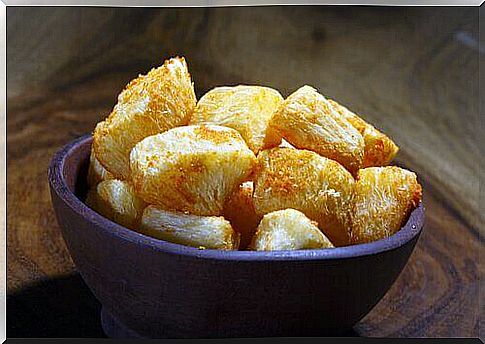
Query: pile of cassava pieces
(244, 168)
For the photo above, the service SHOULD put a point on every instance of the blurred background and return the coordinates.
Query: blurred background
(412, 72)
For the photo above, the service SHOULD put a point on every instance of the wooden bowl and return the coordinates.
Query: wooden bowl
(152, 288)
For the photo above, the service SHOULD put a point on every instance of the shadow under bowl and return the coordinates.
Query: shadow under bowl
(153, 288)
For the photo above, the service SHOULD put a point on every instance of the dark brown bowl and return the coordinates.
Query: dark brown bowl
(152, 288)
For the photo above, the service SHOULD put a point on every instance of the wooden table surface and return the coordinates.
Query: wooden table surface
(413, 72)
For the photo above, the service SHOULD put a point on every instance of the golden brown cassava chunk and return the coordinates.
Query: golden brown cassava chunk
(191, 230)
(307, 120)
(288, 229)
(239, 210)
(379, 149)
(321, 188)
(150, 104)
(96, 172)
(191, 169)
(248, 109)
(116, 200)
(383, 199)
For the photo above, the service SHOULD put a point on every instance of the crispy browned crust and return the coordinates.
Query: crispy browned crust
(321, 188)
(150, 104)
(307, 120)
(239, 210)
(247, 109)
(379, 148)
(192, 169)
(383, 199)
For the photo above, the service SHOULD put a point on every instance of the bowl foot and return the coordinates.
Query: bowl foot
(113, 328)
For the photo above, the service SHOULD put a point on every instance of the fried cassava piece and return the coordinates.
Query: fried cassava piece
(379, 149)
(244, 168)
(96, 172)
(191, 169)
(383, 199)
(307, 120)
(116, 200)
(321, 188)
(213, 232)
(239, 210)
(150, 104)
(288, 229)
(247, 109)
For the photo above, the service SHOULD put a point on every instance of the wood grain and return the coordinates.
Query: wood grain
(411, 72)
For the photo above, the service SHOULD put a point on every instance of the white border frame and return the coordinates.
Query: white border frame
(135, 3)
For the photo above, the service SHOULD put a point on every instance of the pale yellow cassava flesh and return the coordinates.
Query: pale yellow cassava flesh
(379, 149)
(244, 168)
(150, 104)
(383, 199)
(319, 187)
(288, 229)
(248, 109)
(191, 169)
(212, 232)
(307, 120)
(116, 200)
(96, 172)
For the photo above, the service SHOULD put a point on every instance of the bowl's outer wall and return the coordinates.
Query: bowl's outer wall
(162, 294)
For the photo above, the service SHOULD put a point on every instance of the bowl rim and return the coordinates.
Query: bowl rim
(58, 184)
